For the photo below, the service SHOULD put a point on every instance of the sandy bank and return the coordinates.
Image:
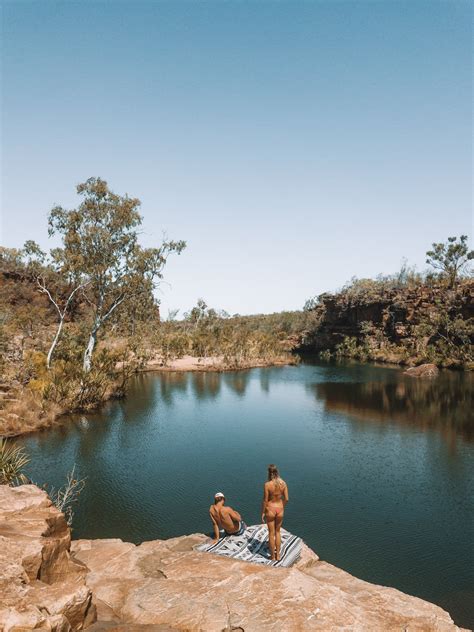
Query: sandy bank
(214, 363)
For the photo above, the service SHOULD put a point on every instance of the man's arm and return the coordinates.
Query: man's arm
(216, 527)
(234, 514)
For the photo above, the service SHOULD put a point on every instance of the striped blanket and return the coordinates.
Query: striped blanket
(252, 546)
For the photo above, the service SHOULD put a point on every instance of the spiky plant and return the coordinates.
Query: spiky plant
(65, 497)
(13, 459)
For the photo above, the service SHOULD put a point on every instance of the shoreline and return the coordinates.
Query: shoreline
(191, 364)
(213, 363)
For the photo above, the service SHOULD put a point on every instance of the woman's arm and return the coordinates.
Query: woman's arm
(285, 495)
(264, 501)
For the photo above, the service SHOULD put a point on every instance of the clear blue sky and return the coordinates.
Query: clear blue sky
(292, 144)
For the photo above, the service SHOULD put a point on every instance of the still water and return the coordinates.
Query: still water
(380, 466)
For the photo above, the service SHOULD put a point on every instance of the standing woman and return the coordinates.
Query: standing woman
(275, 497)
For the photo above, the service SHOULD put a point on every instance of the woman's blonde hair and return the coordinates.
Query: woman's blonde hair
(274, 474)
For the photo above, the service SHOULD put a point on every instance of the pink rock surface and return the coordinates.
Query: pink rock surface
(50, 585)
(168, 583)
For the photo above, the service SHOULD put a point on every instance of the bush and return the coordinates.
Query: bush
(12, 460)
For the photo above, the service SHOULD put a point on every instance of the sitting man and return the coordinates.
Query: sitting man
(226, 518)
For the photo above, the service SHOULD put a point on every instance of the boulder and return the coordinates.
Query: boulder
(41, 586)
(423, 370)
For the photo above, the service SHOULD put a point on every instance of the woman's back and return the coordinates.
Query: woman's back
(275, 497)
(276, 490)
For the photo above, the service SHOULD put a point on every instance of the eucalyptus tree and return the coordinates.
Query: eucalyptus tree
(100, 247)
(451, 257)
(46, 269)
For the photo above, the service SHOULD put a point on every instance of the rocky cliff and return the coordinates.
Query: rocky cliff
(48, 583)
(400, 324)
(42, 587)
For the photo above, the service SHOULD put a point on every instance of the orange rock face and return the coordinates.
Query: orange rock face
(41, 586)
(166, 585)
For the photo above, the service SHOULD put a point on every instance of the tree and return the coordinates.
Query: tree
(61, 311)
(450, 257)
(39, 265)
(100, 247)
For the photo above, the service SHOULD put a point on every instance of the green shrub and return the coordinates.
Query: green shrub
(12, 461)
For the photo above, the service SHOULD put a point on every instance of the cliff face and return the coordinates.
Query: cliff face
(41, 586)
(407, 318)
(47, 584)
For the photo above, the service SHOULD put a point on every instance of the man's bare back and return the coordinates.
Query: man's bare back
(224, 517)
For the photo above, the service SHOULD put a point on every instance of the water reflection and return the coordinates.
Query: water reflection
(206, 384)
(237, 381)
(444, 404)
(170, 384)
(265, 381)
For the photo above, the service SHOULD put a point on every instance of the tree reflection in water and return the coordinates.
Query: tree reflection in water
(444, 403)
(206, 384)
(170, 384)
(237, 381)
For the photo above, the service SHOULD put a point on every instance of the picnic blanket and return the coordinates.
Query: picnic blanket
(252, 546)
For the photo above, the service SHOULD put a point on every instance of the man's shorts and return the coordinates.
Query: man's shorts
(240, 530)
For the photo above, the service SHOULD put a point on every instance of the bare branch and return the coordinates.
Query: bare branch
(115, 304)
(44, 289)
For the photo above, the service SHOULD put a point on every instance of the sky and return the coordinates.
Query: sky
(292, 144)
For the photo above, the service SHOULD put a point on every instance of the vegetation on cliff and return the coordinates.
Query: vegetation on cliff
(405, 318)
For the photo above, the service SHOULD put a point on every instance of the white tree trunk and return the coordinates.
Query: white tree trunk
(87, 364)
(54, 343)
(61, 314)
(98, 322)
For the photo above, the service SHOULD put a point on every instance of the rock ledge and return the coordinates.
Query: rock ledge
(49, 584)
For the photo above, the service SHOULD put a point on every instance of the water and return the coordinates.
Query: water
(380, 467)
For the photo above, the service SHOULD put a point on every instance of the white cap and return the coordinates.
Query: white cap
(219, 495)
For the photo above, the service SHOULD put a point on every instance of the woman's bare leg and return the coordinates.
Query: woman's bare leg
(270, 518)
(278, 521)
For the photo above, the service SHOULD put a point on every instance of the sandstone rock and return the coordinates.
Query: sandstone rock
(168, 583)
(41, 587)
(165, 585)
(393, 312)
(104, 626)
(423, 370)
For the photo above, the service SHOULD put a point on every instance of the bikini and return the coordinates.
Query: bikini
(276, 510)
